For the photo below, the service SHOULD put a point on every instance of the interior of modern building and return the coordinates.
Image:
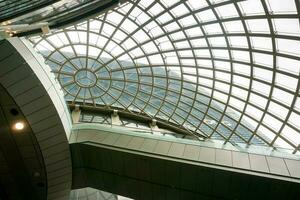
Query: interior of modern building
(149, 99)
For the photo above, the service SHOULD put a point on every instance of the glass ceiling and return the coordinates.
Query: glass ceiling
(25, 17)
(11, 8)
(226, 70)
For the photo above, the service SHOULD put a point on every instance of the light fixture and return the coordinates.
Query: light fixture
(19, 126)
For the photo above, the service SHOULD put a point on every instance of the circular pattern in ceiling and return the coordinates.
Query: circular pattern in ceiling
(85, 78)
(227, 70)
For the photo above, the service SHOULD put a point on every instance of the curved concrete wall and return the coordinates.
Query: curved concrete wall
(29, 81)
(180, 150)
(133, 165)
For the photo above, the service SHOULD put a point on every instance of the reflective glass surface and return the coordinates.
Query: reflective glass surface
(94, 194)
(227, 70)
(130, 124)
(24, 17)
(51, 13)
(10, 8)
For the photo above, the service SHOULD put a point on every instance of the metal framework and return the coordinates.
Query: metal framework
(226, 70)
(133, 124)
(13, 8)
(56, 14)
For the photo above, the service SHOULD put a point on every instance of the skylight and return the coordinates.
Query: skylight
(226, 70)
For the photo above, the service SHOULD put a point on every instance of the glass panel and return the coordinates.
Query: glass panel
(219, 69)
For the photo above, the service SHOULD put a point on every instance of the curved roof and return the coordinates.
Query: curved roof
(221, 69)
(25, 17)
(13, 8)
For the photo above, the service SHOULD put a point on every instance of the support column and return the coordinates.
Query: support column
(76, 114)
(154, 127)
(115, 119)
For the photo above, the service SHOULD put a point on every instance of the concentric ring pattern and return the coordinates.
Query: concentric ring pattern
(226, 70)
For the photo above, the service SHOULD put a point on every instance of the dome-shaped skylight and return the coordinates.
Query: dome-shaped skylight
(227, 70)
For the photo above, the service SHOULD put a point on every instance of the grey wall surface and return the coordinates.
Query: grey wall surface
(145, 168)
(29, 81)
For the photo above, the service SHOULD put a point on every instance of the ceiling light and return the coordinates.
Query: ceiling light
(19, 126)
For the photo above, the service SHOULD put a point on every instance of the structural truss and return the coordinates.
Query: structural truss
(227, 70)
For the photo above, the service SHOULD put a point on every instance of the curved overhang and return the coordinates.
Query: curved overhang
(140, 166)
(29, 82)
(22, 171)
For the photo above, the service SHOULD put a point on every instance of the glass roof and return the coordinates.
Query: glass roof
(130, 124)
(11, 8)
(226, 70)
(91, 193)
(24, 17)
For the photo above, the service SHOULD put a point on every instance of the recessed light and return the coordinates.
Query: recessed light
(19, 126)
